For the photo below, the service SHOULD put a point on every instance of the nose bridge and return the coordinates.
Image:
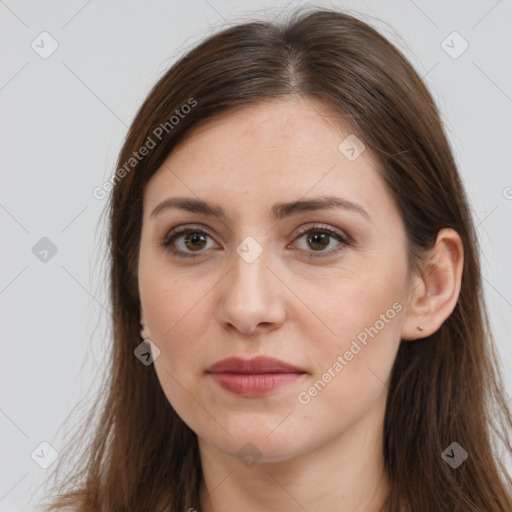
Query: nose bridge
(249, 279)
(249, 295)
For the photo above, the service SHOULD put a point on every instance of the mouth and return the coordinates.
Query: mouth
(254, 377)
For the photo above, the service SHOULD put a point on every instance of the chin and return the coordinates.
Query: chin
(253, 445)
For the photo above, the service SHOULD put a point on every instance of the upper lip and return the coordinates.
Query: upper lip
(259, 364)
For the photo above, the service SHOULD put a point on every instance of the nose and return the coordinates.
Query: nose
(251, 296)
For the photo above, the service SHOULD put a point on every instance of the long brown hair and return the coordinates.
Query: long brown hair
(443, 389)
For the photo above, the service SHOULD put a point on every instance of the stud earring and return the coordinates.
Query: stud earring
(420, 328)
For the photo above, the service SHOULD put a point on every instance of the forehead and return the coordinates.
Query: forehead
(284, 127)
(279, 150)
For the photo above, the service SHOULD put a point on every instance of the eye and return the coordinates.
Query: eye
(189, 242)
(320, 237)
(186, 242)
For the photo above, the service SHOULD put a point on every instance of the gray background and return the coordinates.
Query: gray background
(63, 120)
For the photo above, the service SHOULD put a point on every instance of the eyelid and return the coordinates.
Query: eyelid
(301, 230)
(342, 237)
(183, 228)
(323, 227)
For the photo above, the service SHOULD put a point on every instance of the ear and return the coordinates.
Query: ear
(144, 332)
(435, 290)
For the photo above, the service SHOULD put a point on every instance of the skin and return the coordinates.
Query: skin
(327, 454)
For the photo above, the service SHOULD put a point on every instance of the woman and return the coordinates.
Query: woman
(290, 236)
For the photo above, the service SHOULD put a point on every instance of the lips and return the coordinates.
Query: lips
(253, 377)
(260, 364)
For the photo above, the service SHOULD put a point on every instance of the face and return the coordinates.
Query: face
(321, 289)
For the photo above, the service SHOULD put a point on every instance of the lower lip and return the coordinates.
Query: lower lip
(245, 384)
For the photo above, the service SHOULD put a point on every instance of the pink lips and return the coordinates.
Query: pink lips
(253, 377)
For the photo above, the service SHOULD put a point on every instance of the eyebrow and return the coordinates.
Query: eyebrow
(278, 211)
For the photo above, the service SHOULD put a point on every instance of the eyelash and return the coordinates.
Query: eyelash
(174, 234)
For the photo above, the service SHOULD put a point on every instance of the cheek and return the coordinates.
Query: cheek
(172, 298)
(352, 365)
(176, 320)
(362, 313)
(176, 325)
(173, 308)
(178, 314)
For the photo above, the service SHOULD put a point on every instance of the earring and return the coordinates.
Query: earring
(420, 328)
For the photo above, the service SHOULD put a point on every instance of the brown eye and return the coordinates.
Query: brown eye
(318, 238)
(194, 241)
(318, 241)
(186, 242)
